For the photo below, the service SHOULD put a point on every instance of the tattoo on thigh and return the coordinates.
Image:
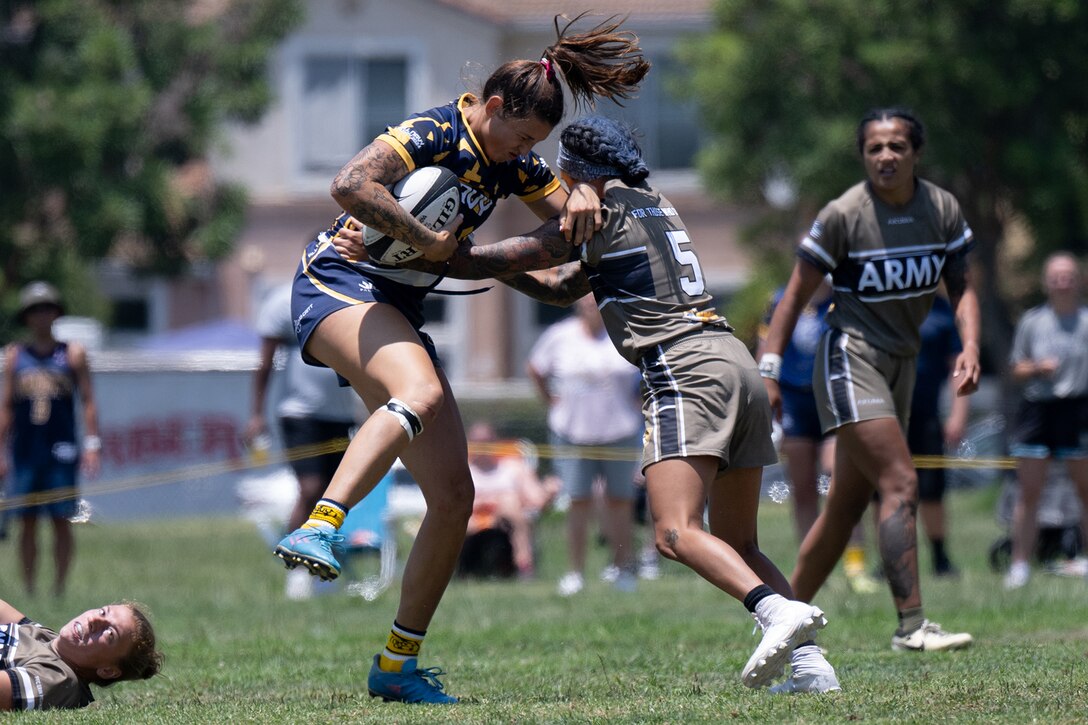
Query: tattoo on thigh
(898, 548)
(671, 537)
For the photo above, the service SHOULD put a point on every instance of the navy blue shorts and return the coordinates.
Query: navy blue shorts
(326, 282)
(800, 418)
(299, 432)
(53, 483)
(925, 437)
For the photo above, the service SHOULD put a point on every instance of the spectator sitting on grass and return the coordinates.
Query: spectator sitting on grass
(41, 669)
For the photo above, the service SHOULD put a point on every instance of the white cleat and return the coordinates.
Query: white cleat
(788, 625)
(570, 584)
(810, 672)
(931, 638)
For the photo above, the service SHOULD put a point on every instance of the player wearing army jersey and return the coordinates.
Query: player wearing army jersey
(43, 669)
(887, 242)
(707, 417)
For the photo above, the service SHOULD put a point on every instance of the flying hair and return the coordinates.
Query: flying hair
(603, 62)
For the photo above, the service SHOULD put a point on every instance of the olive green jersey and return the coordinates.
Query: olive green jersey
(40, 679)
(886, 262)
(644, 272)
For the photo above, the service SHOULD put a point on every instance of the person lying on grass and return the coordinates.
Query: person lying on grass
(41, 669)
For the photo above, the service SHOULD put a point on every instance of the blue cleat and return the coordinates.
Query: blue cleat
(409, 685)
(312, 548)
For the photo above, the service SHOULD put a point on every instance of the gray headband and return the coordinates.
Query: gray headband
(579, 168)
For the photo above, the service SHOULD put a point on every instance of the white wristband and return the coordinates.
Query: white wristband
(770, 366)
(92, 444)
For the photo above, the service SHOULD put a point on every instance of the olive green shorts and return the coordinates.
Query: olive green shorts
(703, 396)
(854, 381)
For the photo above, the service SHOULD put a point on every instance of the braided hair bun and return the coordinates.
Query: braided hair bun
(596, 147)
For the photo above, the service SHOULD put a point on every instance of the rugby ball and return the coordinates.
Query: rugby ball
(432, 194)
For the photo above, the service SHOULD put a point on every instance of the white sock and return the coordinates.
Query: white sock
(806, 654)
(767, 606)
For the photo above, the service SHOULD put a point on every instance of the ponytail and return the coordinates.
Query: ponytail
(602, 62)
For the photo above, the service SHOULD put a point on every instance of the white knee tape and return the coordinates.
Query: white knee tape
(407, 417)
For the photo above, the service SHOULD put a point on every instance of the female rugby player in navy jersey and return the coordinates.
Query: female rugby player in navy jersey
(708, 422)
(363, 320)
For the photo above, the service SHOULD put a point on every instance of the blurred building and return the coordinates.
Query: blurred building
(356, 66)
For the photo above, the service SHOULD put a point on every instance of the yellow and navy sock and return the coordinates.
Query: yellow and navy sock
(854, 560)
(326, 514)
(401, 648)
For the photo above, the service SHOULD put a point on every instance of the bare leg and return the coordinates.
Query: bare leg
(438, 461)
(847, 500)
(733, 513)
(63, 552)
(578, 516)
(879, 450)
(801, 467)
(310, 488)
(677, 489)
(619, 514)
(374, 347)
(1078, 471)
(28, 550)
(378, 352)
(1031, 475)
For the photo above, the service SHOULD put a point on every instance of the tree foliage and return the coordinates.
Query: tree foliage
(107, 112)
(999, 84)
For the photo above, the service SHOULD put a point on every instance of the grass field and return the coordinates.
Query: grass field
(516, 652)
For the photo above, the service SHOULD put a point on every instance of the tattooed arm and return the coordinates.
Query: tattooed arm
(360, 189)
(560, 286)
(964, 299)
(539, 249)
(509, 260)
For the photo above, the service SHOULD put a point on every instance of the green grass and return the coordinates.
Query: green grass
(516, 652)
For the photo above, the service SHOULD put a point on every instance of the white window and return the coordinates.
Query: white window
(346, 102)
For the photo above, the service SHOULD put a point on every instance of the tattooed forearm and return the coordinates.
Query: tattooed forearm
(560, 286)
(360, 189)
(540, 249)
(898, 540)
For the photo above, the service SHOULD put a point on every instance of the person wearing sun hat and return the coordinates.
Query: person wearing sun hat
(38, 426)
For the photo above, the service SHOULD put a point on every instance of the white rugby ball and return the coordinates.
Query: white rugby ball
(431, 194)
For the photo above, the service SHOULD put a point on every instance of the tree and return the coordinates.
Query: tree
(999, 84)
(107, 112)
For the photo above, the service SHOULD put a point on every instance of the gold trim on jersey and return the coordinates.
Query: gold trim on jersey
(479, 150)
(307, 258)
(541, 193)
(395, 143)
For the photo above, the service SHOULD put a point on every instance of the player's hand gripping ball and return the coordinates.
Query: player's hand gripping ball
(431, 194)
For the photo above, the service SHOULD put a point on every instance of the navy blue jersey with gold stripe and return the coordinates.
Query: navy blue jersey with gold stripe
(440, 137)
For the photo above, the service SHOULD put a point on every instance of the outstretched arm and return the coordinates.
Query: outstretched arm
(541, 248)
(561, 286)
